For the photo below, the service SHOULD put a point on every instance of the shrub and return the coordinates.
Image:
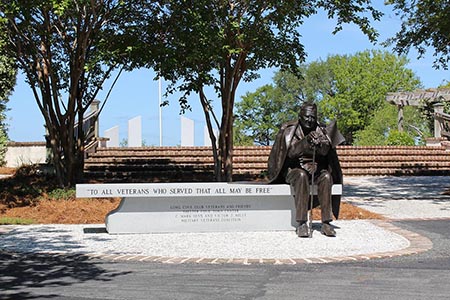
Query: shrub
(398, 138)
(26, 186)
(368, 137)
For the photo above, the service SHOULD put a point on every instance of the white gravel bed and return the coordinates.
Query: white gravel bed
(353, 238)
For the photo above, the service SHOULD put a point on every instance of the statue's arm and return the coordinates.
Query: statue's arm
(307, 144)
(299, 148)
(323, 147)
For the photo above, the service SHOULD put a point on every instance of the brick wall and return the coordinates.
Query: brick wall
(153, 164)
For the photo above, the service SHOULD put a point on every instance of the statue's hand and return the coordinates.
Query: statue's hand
(317, 139)
(310, 167)
(312, 138)
(323, 140)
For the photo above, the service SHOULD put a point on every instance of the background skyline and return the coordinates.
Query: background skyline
(136, 92)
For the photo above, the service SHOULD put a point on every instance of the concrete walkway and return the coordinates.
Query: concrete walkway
(400, 198)
(396, 198)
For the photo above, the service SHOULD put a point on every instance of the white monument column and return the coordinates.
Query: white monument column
(187, 131)
(135, 132)
(113, 137)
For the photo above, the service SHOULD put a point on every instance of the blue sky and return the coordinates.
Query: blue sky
(136, 93)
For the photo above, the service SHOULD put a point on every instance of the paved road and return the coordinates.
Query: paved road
(422, 276)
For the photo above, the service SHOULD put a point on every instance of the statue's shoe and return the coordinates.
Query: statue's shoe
(327, 230)
(302, 230)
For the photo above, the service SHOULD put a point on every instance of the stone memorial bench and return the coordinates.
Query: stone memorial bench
(197, 207)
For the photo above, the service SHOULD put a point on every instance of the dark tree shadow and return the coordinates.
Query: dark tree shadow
(400, 188)
(35, 269)
(21, 271)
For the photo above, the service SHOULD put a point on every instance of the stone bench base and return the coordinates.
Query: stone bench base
(197, 207)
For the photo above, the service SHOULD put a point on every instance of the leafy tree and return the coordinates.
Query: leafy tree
(399, 138)
(382, 129)
(67, 49)
(359, 86)
(259, 115)
(425, 23)
(239, 136)
(7, 81)
(219, 43)
(349, 88)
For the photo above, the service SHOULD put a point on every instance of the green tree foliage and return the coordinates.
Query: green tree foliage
(382, 129)
(67, 49)
(240, 138)
(359, 86)
(220, 43)
(399, 138)
(259, 115)
(7, 81)
(348, 88)
(425, 23)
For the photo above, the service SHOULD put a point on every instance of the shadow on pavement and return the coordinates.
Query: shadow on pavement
(400, 197)
(406, 187)
(18, 273)
(41, 239)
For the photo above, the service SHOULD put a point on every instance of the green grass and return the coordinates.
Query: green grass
(15, 221)
(62, 194)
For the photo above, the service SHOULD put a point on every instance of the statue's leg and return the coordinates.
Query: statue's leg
(299, 180)
(324, 185)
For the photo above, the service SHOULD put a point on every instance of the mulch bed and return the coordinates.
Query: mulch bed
(25, 195)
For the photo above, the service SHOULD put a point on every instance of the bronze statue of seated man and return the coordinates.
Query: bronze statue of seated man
(304, 152)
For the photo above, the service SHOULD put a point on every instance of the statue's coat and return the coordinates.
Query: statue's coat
(278, 154)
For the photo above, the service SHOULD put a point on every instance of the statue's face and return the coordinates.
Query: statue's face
(308, 118)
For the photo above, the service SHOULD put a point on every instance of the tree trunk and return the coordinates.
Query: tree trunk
(216, 156)
(230, 78)
(228, 149)
(67, 158)
(56, 155)
(226, 143)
